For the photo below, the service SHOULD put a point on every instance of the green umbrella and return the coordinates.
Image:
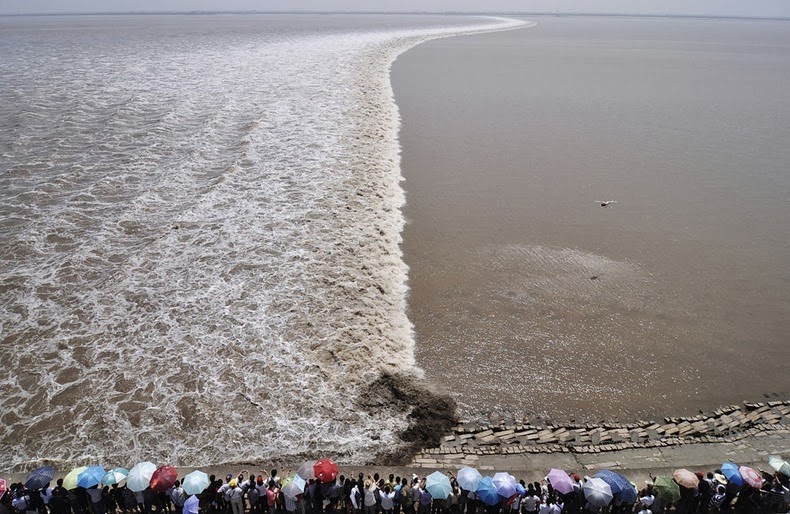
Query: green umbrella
(70, 480)
(779, 464)
(667, 489)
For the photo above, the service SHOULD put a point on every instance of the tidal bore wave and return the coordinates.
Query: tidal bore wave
(200, 259)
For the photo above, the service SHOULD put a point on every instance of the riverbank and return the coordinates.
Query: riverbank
(745, 434)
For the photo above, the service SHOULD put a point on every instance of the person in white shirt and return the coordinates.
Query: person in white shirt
(355, 497)
(46, 494)
(177, 496)
(387, 497)
(236, 497)
(531, 502)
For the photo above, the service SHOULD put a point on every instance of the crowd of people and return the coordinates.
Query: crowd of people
(247, 492)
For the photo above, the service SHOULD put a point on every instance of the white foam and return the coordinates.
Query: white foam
(204, 264)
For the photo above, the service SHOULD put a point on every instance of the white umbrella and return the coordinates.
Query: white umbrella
(293, 486)
(779, 464)
(505, 484)
(139, 476)
(597, 492)
(307, 470)
(468, 478)
(195, 482)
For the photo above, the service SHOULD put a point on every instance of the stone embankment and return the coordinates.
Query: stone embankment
(729, 424)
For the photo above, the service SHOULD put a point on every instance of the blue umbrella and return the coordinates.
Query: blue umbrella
(39, 478)
(91, 476)
(486, 491)
(730, 471)
(620, 485)
(438, 485)
(520, 490)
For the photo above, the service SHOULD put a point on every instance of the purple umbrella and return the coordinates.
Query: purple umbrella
(505, 484)
(560, 481)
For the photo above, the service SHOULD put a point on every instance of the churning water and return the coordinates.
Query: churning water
(200, 218)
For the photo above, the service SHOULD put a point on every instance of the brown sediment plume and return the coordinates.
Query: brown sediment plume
(431, 416)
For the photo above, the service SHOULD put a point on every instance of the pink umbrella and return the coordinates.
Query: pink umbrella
(751, 477)
(560, 481)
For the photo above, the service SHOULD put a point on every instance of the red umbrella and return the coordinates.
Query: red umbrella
(163, 478)
(325, 470)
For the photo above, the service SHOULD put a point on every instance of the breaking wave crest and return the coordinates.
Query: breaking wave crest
(201, 257)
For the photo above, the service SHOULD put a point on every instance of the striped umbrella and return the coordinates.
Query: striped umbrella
(39, 478)
(751, 477)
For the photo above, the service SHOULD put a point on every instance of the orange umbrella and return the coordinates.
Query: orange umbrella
(686, 478)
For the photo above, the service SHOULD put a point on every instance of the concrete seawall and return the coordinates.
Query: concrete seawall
(756, 428)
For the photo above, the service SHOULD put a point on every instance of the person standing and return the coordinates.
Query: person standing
(178, 497)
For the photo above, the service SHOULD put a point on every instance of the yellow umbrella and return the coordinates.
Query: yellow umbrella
(686, 478)
(70, 480)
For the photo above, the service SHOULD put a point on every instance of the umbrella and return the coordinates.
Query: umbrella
(667, 489)
(505, 484)
(195, 482)
(520, 490)
(115, 476)
(751, 477)
(70, 480)
(39, 478)
(307, 470)
(163, 478)
(779, 464)
(620, 485)
(686, 478)
(560, 481)
(597, 492)
(140, 476)
(731, 473)
(438, 484)
(468, 478)
(91, 476)
(293, 486)
(325, 471)
(486, 491)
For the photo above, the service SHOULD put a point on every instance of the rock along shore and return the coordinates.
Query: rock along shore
(468, 443)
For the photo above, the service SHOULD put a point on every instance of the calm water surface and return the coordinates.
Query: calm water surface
(526, 295)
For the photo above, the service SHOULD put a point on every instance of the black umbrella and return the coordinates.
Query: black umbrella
(39, 478)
